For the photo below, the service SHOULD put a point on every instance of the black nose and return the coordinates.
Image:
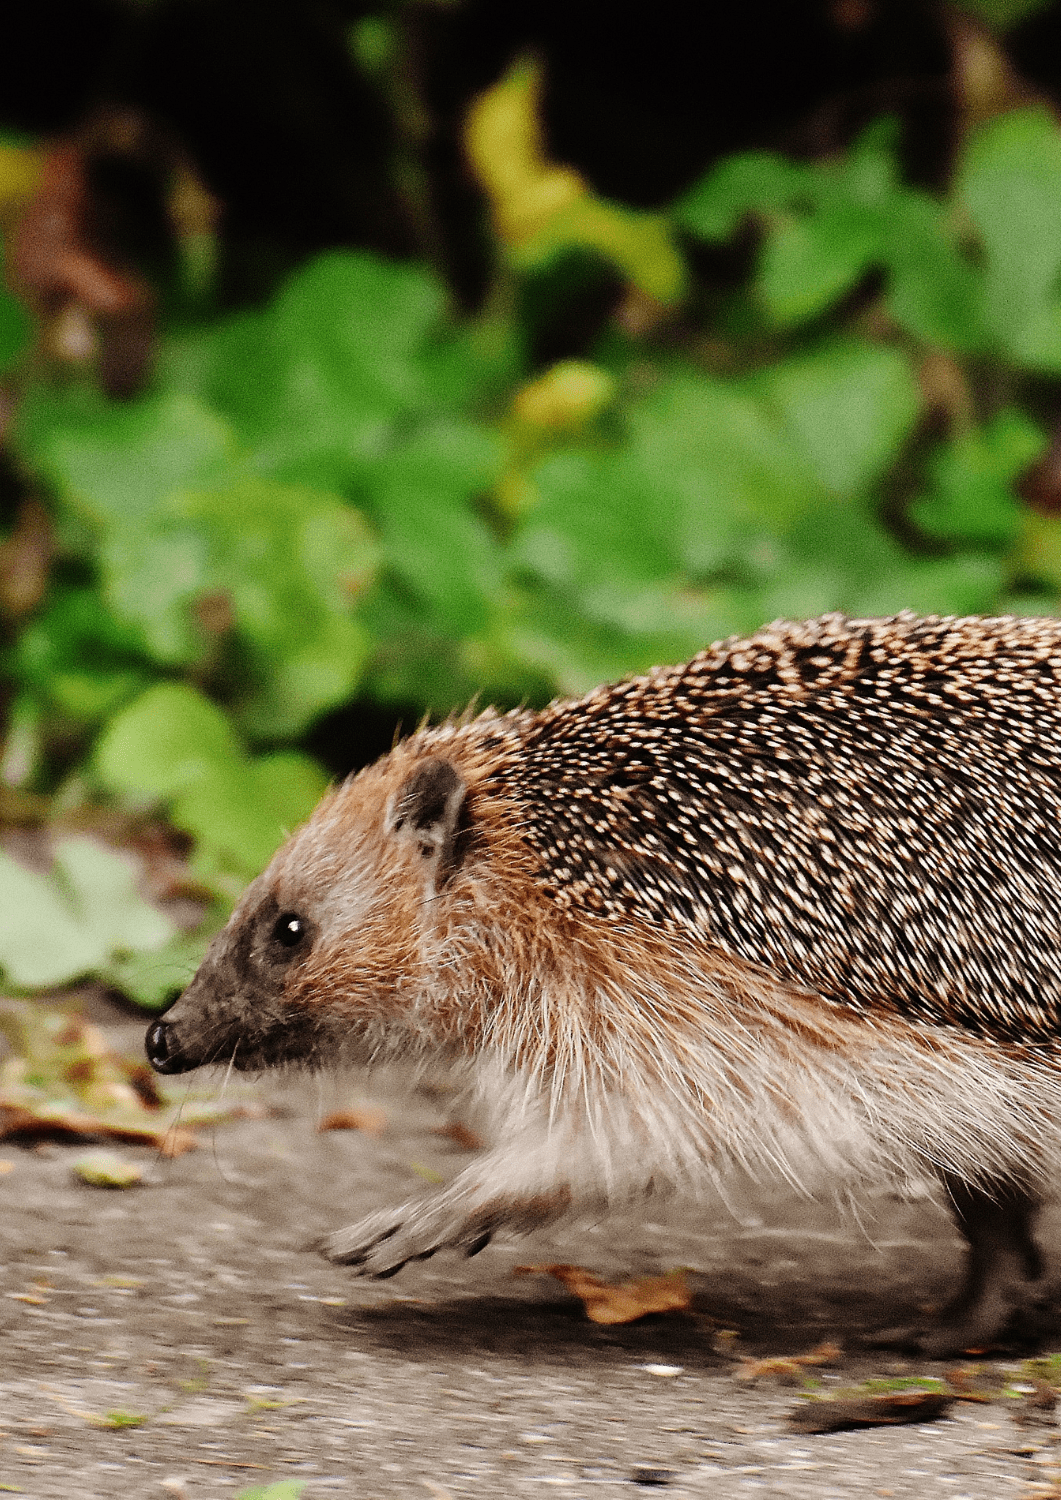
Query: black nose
(163, 1053)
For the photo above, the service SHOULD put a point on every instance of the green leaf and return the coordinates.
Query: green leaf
(16, 330)
(165, 743)
(416, 660)
(239, 811)
(834, 552)
(848, 407)
(758, 182)
(101, 886)
(290, 786)
(578, 651)
(933, 291)
(288, 562)
(76, 657)
(152, 574)
(1004, 13)
(174, 746)
(119, 464)
(968, 584)
(809, 263)
(1010, 183)
(864, 571)
(315, 381)
(360, 313)
(972, 499)
(718, 467)
(718, 478)
(283, 1489)
(291, 561)
(834, 222)
(286, 690)
(595, 533)
(423, 495)
(1039, 551)
(57, 927)
(153, 978)
(474, 362)
(869, 174)
(641, 245)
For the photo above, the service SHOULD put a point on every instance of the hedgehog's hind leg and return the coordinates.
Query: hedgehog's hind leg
(1001, 1299)
(1001, 1302)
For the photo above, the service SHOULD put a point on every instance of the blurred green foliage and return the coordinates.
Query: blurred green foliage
(352, 494)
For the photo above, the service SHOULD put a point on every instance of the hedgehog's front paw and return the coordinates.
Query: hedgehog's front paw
(384, 1242)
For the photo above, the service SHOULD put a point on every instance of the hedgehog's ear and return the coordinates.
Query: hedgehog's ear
(428, 810)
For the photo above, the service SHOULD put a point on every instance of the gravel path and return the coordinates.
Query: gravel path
(181, 1339)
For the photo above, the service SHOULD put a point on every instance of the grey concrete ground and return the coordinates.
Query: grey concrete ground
(193, 1306)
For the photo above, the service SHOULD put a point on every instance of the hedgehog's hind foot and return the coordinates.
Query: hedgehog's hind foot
(1010, 1329)
(1001, 1305)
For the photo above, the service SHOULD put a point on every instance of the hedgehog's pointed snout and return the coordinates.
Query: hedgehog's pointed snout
(164, 1051)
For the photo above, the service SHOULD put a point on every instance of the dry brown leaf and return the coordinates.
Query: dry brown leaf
(366, 1118)
(25, 558)
(460, 1135)
(789, 1366)
(28, 1127)
(622, 1303)
(870, 1411)
(974, 1383)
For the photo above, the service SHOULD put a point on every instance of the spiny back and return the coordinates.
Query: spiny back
(868, 807)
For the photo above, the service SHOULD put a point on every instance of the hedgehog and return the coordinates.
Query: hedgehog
(791, 910)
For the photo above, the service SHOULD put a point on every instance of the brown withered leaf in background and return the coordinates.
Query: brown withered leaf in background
(1040, 487)
(366, 1118)
(788, 1367)
(53, 260)
(25, 559)
(68, 256)
(887, 1410)
(460, 1135)
(622, 1303)
(215, 612)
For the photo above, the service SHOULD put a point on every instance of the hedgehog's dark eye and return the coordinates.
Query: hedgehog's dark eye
(290, 930)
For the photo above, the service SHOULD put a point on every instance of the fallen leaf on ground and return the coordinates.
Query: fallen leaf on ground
(365, 1118)
(57, 1053)
(28, 1127)
(60, 1081)
(460, 1135)
(622, 1303)
(788, 1366)
(1037, 1406)
(106, 1169)
(842, 1413)
(974, 1383)
(121, 1419)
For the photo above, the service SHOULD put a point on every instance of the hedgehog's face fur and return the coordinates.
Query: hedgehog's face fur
(321, 955)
